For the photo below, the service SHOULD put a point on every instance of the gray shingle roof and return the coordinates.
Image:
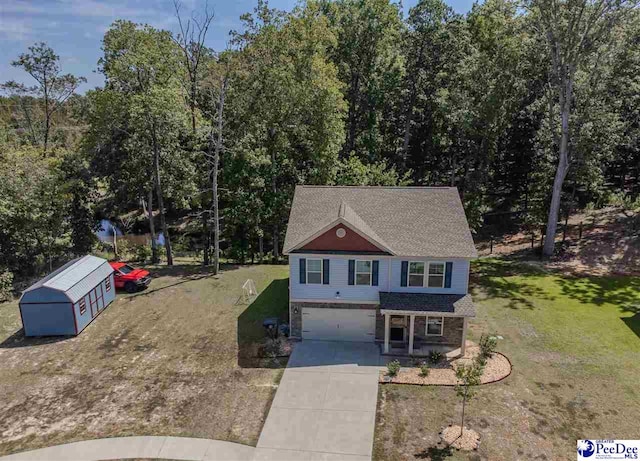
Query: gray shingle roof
(410, 221)
(461, 305)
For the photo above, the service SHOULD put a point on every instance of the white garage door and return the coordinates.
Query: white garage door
(339, 324)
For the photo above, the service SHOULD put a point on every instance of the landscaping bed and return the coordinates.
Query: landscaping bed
(497, 368)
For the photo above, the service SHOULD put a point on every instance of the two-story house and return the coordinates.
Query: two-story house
(384, 264)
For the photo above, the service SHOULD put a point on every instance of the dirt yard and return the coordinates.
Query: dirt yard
(160, 362)
(597, 242)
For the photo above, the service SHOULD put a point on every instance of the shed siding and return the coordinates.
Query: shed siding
(47, 319)
(99, 306)
(339, 279)
(339, 273)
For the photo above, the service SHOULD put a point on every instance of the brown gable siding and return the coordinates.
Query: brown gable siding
(329, 241)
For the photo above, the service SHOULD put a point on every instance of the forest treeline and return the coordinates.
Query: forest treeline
(530, 109)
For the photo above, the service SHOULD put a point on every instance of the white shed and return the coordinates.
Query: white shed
(68, 299)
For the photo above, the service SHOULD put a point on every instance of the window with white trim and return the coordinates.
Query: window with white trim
(436, 275)
(363, 272)
(434, 326)
(416, 274)
(314, 271)
(107, 284)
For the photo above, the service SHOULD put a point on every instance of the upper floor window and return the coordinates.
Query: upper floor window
(314, 271)
(416, 274)
(363, 272)
(436, 275)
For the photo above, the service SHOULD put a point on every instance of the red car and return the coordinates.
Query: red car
(130, 278)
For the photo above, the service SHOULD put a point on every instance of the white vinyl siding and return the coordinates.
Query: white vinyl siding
(338, 282)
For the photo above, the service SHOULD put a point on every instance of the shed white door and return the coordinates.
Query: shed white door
(339, 324)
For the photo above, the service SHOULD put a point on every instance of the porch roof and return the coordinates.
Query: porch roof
(454, 305)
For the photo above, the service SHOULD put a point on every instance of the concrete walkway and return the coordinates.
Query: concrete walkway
(183, 448)
(325, 406)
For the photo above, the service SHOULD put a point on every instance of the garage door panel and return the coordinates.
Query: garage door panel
(339, 324)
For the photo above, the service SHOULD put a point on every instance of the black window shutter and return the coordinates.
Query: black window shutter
(404, 269)
(374, 273)
(352, 271)
(303, 270)
(447, 275)
(325, 272)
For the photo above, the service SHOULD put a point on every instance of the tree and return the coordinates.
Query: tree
(468, 377)
(287, 114)
(53, 87)
(573, 30)
(140, 62)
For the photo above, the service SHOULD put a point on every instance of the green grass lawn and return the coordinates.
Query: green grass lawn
(574, 343)
(165, 361)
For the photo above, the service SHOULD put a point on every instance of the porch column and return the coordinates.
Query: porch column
(464, 336)
(412, 319)
(387, 322)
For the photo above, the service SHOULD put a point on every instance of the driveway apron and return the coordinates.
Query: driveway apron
(325, 406)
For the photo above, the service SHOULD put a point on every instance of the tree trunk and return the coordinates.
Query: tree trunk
(274, 190)
(47, 115)
(207, 239)
(152, 229)
(261, 248)
(464, 403)
(566, 92)
(163, 221)
(214, 178)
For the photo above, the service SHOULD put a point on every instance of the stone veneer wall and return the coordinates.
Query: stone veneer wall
(296, 319)
(451, 330)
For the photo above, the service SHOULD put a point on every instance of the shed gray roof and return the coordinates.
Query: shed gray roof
(409, 221)
(461, 305)
(75, 279)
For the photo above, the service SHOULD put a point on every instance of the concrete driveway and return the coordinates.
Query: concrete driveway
(325, 406)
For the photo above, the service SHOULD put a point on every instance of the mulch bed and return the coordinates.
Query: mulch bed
(497, 368)
(469, 440)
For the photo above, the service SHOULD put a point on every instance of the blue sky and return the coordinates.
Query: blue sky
(74, 28)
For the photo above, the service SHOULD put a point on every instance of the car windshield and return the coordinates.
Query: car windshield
(126, 269)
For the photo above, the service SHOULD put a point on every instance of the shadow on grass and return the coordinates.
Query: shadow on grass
(494, 277)
(622, 291)
(435, 453)
(633, 323)
(18, 339)
(273, 301)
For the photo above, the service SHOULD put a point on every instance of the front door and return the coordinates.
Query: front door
(397, 328)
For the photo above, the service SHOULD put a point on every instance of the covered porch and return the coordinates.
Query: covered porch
(417, 323)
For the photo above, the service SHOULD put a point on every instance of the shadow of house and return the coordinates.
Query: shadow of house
(272, 302)
(633, 322)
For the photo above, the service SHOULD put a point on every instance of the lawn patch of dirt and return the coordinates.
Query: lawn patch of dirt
(164, 361)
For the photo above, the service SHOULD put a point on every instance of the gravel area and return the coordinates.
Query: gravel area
(497, 367)
(468, 441)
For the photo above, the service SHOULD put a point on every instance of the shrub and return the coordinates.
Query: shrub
(393, 368)
(273, 347)
(435, 356)
(142, 253)
(488, 345)
(424, 369)
(6, 285)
